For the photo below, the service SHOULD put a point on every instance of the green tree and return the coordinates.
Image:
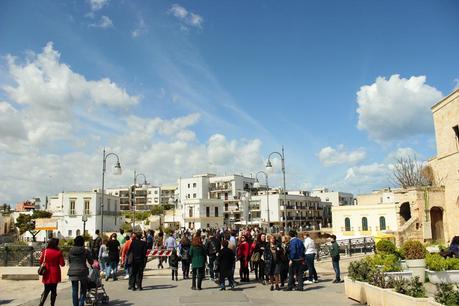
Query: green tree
(26, 223)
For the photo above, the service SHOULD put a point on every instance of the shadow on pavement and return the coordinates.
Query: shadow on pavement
(313, 288)
(5, 301)
(121, 303)
(153, 287)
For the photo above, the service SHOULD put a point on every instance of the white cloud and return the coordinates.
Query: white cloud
(97, 4)
(49, 92)
(395, 108)
(140, 29)
(406, 152)
(186, 18)
(329, 156)
(104, 22)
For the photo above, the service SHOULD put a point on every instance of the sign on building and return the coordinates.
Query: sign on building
(45, 224)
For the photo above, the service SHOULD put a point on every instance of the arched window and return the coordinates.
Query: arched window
(347, 224)
(382, 223)
(364, 224)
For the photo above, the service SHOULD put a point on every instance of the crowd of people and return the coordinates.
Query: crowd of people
(279, 260)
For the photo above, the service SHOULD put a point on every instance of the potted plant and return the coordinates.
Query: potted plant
(354, 284)
(376, 288)
(442, 270)
(407, 293)
(390, 266)
(414, 253)
(447, 294)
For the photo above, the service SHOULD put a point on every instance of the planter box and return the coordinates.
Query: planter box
(397, 275)
(355, 290)
(433, 303)
(449, 276)
(392, 298)
(375, 295)
(417, 266)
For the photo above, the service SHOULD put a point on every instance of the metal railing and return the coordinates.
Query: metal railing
(349, 247)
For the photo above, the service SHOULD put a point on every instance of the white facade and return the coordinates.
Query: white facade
(229, 188)
(143, 197)
(69, 207)
(301, 209)
(335, 197)
(203, 213)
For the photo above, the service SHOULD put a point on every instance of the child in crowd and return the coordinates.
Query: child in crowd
(173, 264)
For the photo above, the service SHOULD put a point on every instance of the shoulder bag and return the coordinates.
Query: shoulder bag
(42, 269)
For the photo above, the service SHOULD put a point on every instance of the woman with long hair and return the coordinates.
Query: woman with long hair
(243, 254)
(198, 261)
(273, 254)
(113, 247)
(53, 260)
(184, 248)
(78, 272)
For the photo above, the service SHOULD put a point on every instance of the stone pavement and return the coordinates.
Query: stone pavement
(161, 288)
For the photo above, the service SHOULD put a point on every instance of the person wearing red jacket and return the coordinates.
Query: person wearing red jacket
(53, 260)
(243, 254)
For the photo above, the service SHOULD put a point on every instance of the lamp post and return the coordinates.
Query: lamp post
(269, 166)
(117, 171)
(84, 218)
(257, 184)
(134, 202)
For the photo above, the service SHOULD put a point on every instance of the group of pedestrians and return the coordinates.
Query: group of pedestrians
(275, 259)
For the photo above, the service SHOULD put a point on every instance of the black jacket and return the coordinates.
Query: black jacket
(225, 260)
(137, 252)
(78, 259)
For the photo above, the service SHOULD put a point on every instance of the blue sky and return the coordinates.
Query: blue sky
(178, 88)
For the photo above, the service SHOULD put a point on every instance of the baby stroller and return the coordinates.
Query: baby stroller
(96, 293)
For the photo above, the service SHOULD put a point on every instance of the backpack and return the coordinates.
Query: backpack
(211, 248)
(185, 254)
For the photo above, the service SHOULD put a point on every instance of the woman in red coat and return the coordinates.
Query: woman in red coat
(53, 259)
(243, 254)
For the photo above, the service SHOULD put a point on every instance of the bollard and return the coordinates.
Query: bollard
(31, 250)
(349, 251)
(5, 259)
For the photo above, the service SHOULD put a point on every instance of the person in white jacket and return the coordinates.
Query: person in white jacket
(310, 255)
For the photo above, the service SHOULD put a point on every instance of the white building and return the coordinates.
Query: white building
(69, 207)
(143, 197)
(335, 197)
(203, 213)
(206, 186)
(301, 210)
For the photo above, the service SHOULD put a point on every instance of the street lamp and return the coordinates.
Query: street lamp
(84, 218)
(257, 185)
(134, 203)
(116, 171)
(269, 167)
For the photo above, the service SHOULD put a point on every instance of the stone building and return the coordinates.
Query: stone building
(444, 217)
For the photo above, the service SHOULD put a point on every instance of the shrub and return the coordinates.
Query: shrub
(412, 287)
(447, 295)
(413, 249)
(436, 262)
(377, 278)
(385, 247)
(387, 262)
(360, 269)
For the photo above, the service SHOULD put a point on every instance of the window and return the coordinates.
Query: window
(194, 195)
(156, 191)
(72, 207)
(216, 211)
(364, 224)
(78, 232)
(382, 223)
(188, 185)
(194, 185)
(347, 224)
(70, 233)
(207, 211)
(86, 207)
(226, 206)
(190, 212)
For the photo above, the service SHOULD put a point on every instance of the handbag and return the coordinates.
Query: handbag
(255, 257)
(42, 268)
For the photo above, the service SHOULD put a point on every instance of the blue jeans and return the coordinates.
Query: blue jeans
(78, 300)
(335, 263)
(309, 258)
(127, 269)
(112, 266)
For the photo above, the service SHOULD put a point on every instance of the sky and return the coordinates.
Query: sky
(177, 88)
